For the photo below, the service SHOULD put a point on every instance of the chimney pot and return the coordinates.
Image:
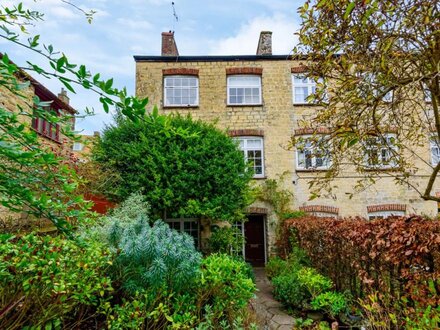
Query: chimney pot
(265, 43)
(169, 47)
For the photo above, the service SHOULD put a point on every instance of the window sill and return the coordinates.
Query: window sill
(306, 104)
(167, 107)
(382, 169)
(259, 178)
(46, 136)
(308, 170)
(244, 105)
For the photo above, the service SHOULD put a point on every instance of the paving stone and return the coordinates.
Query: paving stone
(283, 319)
(269, 311)
(285, 327)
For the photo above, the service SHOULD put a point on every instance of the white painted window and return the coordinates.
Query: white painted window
(302, 88)
(240, 228)
(188, 226)
(370, 85)
(435, 151)
(181, 91)
(381, 152)
(427, 95)
(385, 214)
(77, 146)
(312, 154)
(253, 153)
(244, 89)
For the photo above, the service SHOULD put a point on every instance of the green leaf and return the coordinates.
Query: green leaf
(349, 9)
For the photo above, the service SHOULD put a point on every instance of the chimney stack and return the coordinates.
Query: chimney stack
(265, 43)
(96, 134)
(63, 96)
(169, 47)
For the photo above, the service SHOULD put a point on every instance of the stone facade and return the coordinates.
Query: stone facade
(60, 144)
(276, 120)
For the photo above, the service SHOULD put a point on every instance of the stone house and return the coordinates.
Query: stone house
(49, 135)
(260, 101)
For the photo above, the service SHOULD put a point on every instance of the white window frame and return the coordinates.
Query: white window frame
(309, 83)
(77, 146)
(369, 85)
(244, 86)
(434, 147)
(240, 226)
(181, 222)
(382, 148)
(385, 214)
(325, 163)
(245, 150)
(167, 89)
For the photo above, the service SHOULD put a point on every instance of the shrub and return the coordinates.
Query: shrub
(275, 267)
(224, 286)
(314, 282)
(289, 291)
(395, 257)
(185, 167)
(153, 257)
(46, 281)
(331, 302)
(228, 240)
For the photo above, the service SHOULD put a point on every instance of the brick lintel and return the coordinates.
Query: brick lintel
(299, 69)
(386, 207)
(310, 131)
(319, 208)
(245, 132)
(180, 71)
(244, 70)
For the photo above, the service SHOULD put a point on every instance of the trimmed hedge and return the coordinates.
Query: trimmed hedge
(397, 257)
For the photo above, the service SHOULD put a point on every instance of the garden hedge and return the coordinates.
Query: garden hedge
(398, 257)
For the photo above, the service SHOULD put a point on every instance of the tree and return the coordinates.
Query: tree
(185, 168)
(32, 177)
(377, 63)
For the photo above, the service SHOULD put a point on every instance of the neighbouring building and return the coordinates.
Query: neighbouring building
(82, 148)
(260, 100)
(50, 135)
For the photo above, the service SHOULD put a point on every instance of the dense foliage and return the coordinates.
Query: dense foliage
(50, 281)
(185, 168)
(225, 286)
(396, 258)
(377, 63)
(228, 240)
(300, 287)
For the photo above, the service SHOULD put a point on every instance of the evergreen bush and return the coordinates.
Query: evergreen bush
(184, 167)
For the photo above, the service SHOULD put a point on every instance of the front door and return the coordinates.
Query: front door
(254, 231)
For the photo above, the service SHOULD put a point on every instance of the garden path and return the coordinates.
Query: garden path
(269, 312)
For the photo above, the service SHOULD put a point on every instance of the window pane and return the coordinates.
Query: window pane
(181, 90)
(254, 143)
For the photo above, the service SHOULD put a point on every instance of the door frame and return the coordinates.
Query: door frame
(264, 218)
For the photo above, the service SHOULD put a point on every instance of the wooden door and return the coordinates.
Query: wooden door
(254, 232)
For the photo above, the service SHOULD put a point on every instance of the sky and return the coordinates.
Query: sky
(121, 29)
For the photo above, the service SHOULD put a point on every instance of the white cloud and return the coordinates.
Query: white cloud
(246, 39)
